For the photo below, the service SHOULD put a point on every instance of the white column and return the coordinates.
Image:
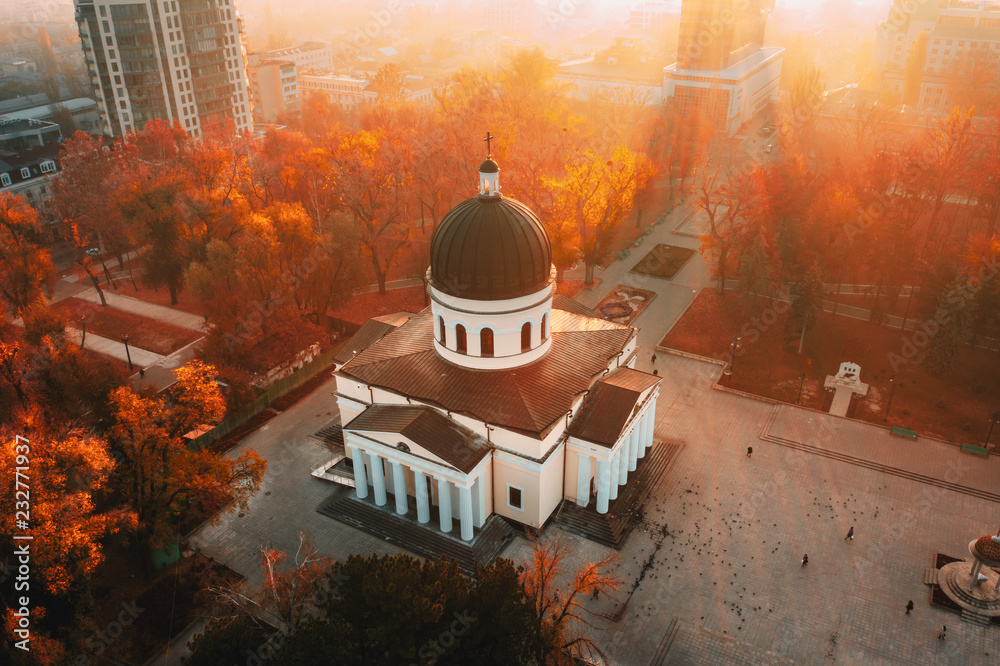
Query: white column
(651, 415)
(623, 461)
(444, 504)
(644, 430)
(420, 492)
(360, 478)
(479, 488)
(583, 479)
(378, 478)
(399, 486)
(633, 444)
(613, 480)
(603, 485)
(465, 512)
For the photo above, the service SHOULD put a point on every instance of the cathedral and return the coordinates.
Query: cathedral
(501, 397)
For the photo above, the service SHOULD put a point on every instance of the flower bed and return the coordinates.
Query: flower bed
(624, 304)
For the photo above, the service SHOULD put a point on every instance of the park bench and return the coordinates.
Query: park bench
(624, 254)
(978, 450)
(638, 241)
(903, 432)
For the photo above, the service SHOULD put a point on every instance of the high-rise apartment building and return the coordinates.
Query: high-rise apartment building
(274, 85)
(182, 60)
(723, 69)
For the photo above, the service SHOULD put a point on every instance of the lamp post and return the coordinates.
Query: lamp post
(802, 381)
(127, 354)
(993, 421)
(733, 346)
(892, 392)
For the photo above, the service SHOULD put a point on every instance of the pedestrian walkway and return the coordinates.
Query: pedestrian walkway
(192, 322)
(160, 375)
(114, 348)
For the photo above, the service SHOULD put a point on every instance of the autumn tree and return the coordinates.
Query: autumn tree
(944, 162)
(946, 345)
(374, 187)
(290, 586)
(558, 624)
(389, 83)
(721, 193)
(26, 270)
(159, 474)
(597, 195)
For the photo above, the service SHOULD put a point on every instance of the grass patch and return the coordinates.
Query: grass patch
(108, 322)
(663, 261)
(956, 406)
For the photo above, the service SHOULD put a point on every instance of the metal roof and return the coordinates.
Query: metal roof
(490, 248)
(609, 406)
(370, 332)
(529, 399)
(450, 441)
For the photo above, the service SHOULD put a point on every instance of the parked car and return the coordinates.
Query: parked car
(769, 147)
(94, 252)
(765, 131)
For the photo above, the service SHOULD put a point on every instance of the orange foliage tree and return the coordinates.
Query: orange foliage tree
(26, 270)
(159, 474)
(557, 609)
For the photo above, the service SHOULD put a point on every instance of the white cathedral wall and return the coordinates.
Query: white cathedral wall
(541, 486)
(551, 481)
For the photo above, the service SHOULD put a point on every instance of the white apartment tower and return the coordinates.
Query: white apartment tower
(179, 60)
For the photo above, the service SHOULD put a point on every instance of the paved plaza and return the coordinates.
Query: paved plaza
(732, 532)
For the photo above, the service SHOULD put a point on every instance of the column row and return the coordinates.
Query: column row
(472, 500)
(613, 473)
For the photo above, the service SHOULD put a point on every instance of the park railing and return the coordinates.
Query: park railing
(264, 400)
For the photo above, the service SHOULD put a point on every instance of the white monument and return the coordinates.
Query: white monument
(845, 385)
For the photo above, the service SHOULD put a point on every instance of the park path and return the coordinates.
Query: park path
(161, 313)
(113, 348)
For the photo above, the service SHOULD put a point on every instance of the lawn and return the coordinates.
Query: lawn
(953, 407)
(663, 261)
(110, 323)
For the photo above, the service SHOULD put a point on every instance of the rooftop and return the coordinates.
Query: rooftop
(529, 399)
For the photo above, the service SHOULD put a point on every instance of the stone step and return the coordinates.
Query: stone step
(930, 577)
(975, 618)
(660, 658)
(423, 540)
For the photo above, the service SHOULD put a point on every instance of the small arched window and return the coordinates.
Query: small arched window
(442, 338)
(526, 337)
(545, 326)
(460, 346)
(486, 342)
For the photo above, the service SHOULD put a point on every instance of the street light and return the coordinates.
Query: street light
(993, 421)
(127, 354)
(733, 346)
(801, 383)
(892, 392)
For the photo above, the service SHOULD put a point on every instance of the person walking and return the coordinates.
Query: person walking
(909, 606)
(805, 559)
(850, 534)
(749, 451)
(653, 361)
(942, 633)
(142, 373)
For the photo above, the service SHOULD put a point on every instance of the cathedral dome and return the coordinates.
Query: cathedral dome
(489, 247)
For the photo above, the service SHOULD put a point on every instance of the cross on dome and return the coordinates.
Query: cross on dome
(489, 173)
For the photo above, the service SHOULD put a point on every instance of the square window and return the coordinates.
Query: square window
(25, 172)
(514, 498)
(4, 179)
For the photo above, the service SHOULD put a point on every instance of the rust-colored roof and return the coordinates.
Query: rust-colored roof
(608, 407)
(370, 332)
(566, 303)
(529, 399)
(452, 442)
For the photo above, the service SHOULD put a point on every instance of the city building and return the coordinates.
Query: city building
(178, 60)
(654, 17)
(84, 111)
(501, 398)
(274, 86)
(10, 65)
(18, 134)
(310, 55)
(625, 72)
(347, 91)
(29, 172)
(723, 70)
(511, 17)
(959, 37)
